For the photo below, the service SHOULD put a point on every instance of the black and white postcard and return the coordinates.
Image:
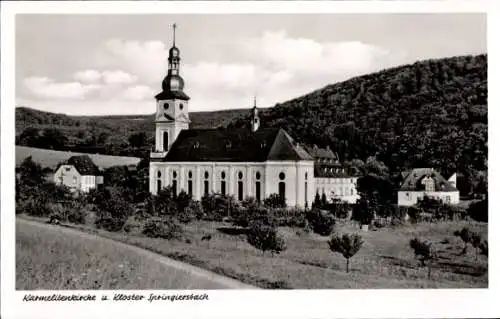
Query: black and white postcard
(225, 159)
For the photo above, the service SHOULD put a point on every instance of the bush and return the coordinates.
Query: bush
(166, 228)
(322, 222)
(216, 206)
(479, 210)
(76, 215)
(274, 201)
(348, 245)
(483, 247)
(132, 225)
(35, 206)
(265, 238)
(109, 223)
(293, 217)
(465, 235)
(424, 252)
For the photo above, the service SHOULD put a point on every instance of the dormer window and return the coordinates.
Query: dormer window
(429, 184)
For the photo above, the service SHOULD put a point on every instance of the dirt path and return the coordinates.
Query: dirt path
(193, 270)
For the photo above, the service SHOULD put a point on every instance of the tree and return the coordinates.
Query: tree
(348, 245)
(275, 201)
(483, 247)
(476, 240)
(424, 252)
(317, 201)
(53, 138)
(323, 200)
(30, 173)
(265, 238)
(30, 137)
(465, 236)
(322, 222)
(479, 210)
(138, 140)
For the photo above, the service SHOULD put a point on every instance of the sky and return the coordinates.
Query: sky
(114, 64)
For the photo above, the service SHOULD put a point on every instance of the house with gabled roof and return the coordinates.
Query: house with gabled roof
(78, 173)
(249, 162)
(333, 179)
(421, 182)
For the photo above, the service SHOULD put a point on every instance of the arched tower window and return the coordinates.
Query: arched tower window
(240, 186)
(165, 141)
(282, 188)
(223, 183)
(158, 181)
(190, 183)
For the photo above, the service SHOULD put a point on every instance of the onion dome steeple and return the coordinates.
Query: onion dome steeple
(173, 84)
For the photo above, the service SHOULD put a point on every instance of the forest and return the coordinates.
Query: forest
(432, 113)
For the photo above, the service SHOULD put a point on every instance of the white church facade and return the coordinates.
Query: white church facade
(249, 162)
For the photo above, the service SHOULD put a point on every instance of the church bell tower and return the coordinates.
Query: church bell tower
(172, 115)
(255, 120)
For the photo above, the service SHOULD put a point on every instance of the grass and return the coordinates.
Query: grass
(50, 158)
(49, 259)
(385, 260)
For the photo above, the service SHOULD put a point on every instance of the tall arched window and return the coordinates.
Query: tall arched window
(190, 183)
(158, 182)
(257, 186)
(165, 141)
(174, 183)
(206, 183)
(282, 188)
(305, 189)
(223, 183)
(240, 186)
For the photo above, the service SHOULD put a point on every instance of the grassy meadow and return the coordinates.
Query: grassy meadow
(47, 258)
(385, 260)
(50, 158)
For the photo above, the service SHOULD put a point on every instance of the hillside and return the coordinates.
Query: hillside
(50, 158)
(431, 113)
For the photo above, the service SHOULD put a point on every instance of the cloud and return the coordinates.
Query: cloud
(44, 87)
(88, 76)
(118, 77)
(274, 65)
(138, 93)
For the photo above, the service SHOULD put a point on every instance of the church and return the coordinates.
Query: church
(249, 162)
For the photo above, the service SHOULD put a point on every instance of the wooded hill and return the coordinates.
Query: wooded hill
(431, 113)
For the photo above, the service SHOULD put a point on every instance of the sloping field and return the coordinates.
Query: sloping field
(49, 257)
(50, 158)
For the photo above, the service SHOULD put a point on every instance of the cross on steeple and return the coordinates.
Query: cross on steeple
(174, 26)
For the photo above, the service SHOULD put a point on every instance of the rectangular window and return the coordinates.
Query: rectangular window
(282, 195)
(223, 187)
(190, 188)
